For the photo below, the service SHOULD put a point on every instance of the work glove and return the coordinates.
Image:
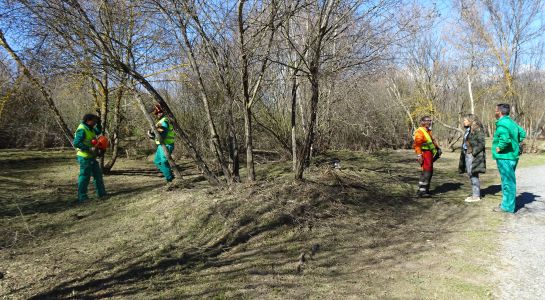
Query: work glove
(438, 154)
(93, 151)
(151, 134)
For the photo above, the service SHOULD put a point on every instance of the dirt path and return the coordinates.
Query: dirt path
(522, 253)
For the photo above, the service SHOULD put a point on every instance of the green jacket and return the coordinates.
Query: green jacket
(507, 137)
(80, 140)
(167, 136)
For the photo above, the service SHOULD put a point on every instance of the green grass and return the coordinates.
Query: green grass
(375, 239)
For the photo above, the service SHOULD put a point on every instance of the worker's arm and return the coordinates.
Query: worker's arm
(419, 140)
(504, 139)
(78, 140)
(436, 143)
(98, 128)
(522, 133)
(162, 127)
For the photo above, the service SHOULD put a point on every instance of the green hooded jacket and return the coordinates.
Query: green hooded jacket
(507, 137)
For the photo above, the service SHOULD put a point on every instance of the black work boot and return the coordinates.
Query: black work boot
(424, 185)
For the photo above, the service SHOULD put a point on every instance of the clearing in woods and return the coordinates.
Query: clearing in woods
(354, 232)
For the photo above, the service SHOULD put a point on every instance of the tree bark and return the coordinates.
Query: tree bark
(114, 137)
(294, 86)
(105, 99)
(233, 145)
(470, 94)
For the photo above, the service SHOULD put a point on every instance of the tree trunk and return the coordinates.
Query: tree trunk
(470, 95)
(114, 137)
(314, 72)
(104, 107)
(233, 146)
(294, 87)
(246, 93)
(303, 154)
(51, 104)
(249, 144)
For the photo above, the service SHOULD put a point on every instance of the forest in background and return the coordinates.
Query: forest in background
(246, 81)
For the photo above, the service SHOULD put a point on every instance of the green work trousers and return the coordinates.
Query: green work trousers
(161, 161)
(89, 167)
(507, 168)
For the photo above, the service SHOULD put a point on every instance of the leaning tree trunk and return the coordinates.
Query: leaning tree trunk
(171, 162)
(197, 157)
(51, 104)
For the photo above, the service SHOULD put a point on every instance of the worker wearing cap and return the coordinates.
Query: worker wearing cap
(166, 131)
(86, 133)
(427, 150)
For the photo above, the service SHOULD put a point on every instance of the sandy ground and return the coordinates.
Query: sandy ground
(522, 254)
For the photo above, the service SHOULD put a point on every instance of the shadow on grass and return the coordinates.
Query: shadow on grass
(491, 190)
(49, 200)
(447, 187)
(350, 213)
(135, 172)
(33, 192)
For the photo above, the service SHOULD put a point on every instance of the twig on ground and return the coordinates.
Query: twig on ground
(24, 221)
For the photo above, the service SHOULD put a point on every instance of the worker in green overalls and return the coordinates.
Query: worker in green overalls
(166, 130)
(86, 132)
(506, 148)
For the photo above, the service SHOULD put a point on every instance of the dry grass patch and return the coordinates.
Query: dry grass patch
(362, 233)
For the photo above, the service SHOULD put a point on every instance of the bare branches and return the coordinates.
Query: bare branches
(49, 100)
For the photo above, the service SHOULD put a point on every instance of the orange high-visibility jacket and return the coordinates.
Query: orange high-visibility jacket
(420, 139)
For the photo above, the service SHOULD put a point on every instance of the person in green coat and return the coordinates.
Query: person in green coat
(506, 150)
(166, 130)
(87, 131)
(473, 156)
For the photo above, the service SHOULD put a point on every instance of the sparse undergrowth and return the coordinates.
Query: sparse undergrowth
(361, 233)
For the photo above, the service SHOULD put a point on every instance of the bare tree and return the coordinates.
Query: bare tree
(47, 95)
(505, 27)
